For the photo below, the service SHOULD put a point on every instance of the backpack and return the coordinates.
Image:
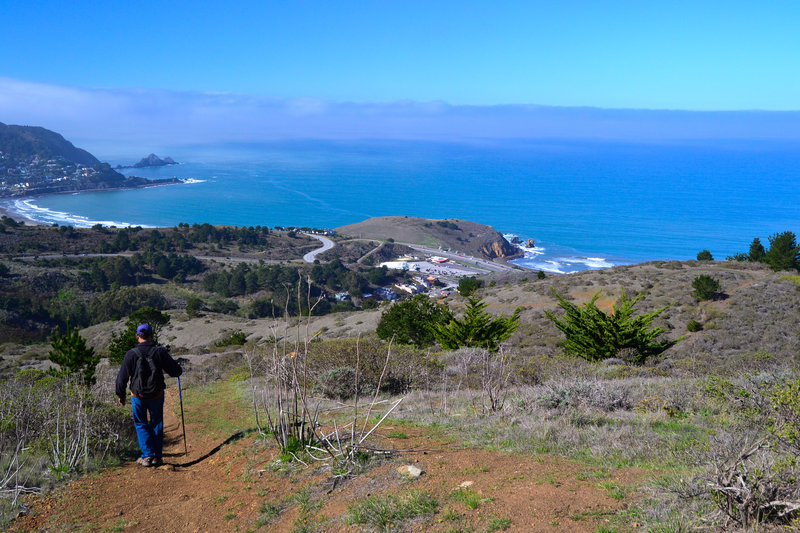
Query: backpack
(145, 382)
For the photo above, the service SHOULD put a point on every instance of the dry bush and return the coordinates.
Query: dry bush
(479, 368)
(409, 367)
(587, 393)
(750, 481)
(52, 428)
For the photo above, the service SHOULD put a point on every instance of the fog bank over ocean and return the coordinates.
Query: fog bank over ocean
(133, 122)
(587, 204)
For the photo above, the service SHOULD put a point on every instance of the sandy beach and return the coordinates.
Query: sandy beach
(5, 210)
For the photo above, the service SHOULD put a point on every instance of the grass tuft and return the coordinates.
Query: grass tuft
(387, 512)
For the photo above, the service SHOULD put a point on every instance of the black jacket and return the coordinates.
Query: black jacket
(161, 358)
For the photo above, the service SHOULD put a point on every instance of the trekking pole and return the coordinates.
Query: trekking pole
(183, 423)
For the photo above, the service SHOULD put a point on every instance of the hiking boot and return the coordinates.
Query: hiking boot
(145, 461)
(156, 461)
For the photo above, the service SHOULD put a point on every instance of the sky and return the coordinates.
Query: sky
(409, 65)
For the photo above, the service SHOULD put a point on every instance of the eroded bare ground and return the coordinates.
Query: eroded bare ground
(230, 484)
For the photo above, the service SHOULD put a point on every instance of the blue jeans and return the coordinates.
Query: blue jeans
(150, 433)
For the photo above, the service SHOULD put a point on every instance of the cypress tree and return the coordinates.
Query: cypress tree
(595, 335)
(69, 351)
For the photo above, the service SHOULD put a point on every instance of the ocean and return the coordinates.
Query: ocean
(586, 204)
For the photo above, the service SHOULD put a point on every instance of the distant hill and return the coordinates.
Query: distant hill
(35, 160)
(457, 235)
(24, 142)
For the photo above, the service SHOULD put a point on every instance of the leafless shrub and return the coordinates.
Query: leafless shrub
(750, 481)
(306, 428)
(600, 394)
(490, 372)
(51, 428)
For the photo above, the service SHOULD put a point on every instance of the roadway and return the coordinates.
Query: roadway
(327, 244)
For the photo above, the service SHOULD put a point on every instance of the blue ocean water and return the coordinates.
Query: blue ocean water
(587, 204)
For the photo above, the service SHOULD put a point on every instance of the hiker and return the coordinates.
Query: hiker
(144, 366)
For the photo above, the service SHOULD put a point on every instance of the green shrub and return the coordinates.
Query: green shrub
(785, 402)
(412, 321)
(694, 325)
(705, 287)
(468, 286)
(704, 255)
(193, 306)
(236, 338)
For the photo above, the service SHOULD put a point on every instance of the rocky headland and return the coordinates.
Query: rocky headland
(463, 236)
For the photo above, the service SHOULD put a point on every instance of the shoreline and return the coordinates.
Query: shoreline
(6, 202)
(5, 210)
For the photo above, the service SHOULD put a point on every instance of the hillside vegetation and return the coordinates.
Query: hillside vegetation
(701, 436)
(24, 142)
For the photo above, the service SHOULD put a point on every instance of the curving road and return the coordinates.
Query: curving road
(327, 244)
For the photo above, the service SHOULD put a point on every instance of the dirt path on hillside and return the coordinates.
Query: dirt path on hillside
(227, 483)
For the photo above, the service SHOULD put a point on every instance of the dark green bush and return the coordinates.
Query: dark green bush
(468, 286)
(704, 255)
(705, 287)
(694, 325)
(236, 338)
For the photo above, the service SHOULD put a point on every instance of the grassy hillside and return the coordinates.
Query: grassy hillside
(549, 441)
(450, 234)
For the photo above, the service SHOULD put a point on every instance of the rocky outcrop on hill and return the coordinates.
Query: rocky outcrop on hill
(499, 249)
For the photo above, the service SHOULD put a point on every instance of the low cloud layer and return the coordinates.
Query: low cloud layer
(149, 119)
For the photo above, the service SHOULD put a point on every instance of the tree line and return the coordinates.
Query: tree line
(783, 252)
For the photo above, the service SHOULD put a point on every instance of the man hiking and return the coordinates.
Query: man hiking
(144, 366)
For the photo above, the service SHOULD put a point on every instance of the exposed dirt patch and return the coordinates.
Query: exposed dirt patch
(224, 482)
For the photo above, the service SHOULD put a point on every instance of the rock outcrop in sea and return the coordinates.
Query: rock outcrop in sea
(153, 160)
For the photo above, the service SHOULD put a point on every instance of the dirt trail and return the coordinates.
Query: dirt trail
(174, 497)
(223, 484)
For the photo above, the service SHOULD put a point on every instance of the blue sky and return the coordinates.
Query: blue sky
(677, 55)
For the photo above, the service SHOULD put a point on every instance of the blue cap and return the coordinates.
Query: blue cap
(144, 330)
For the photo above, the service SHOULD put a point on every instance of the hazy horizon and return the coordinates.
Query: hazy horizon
(152, 75)
(124, 122)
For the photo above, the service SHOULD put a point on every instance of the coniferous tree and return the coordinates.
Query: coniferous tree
(69, 351)
(757, 254)
(595, 335)
(783, 253)
(126, 340)
(477, 328)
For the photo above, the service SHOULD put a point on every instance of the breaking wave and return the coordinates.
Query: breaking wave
(28, 209)
(541, 257)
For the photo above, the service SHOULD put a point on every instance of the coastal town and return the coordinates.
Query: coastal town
(28, 174)
(33, 175)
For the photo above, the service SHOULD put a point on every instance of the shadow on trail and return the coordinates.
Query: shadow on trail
(236, 436)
